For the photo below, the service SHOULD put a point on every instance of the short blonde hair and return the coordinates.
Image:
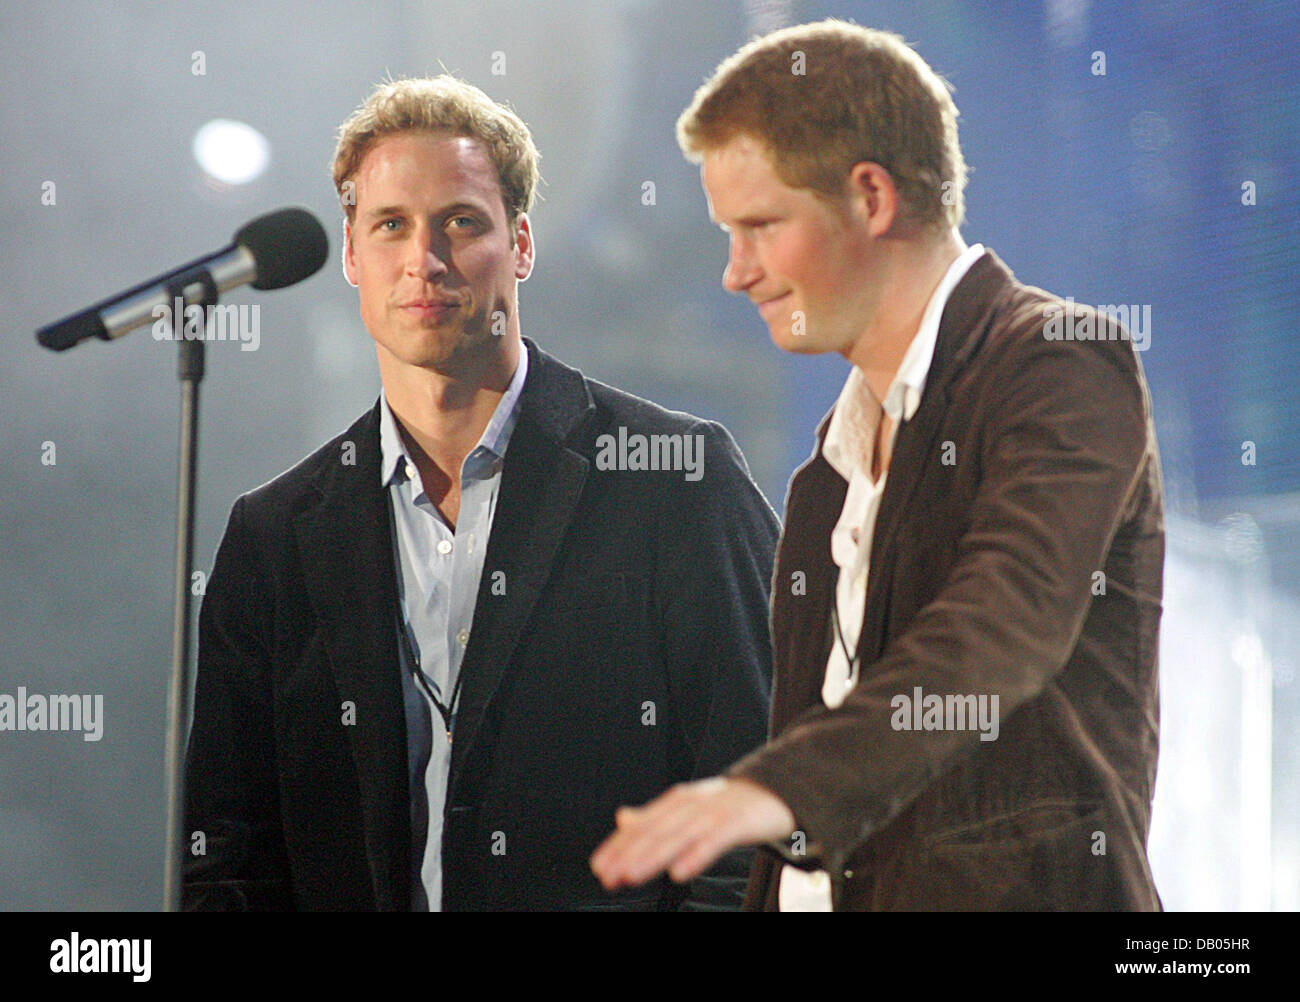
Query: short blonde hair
(822, 97)
(440, 104)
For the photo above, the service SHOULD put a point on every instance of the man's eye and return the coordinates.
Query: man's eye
(385, 225)
(463, 222)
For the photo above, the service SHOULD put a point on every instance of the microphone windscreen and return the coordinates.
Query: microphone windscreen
(72, 330)
(288, 245)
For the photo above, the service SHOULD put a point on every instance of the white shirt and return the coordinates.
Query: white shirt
(439, 569)
(848, 448)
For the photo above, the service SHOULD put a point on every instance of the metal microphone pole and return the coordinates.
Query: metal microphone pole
(195, 288)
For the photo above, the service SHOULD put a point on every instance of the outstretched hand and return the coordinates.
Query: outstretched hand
(686, 829)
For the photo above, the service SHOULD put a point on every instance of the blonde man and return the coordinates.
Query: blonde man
(436, 654)
(967, 595)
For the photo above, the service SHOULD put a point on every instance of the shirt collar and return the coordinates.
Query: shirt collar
(851, 434)
(491, 444)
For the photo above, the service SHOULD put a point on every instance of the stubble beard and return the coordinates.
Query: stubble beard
(456, 346)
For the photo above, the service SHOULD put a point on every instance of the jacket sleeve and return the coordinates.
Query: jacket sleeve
(234, 857)
(1067, 438)
(716, 551)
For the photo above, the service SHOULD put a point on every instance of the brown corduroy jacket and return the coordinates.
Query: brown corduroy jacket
(1018, 554)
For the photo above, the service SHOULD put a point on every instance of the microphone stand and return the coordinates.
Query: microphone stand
(294, 242)
(192, 288)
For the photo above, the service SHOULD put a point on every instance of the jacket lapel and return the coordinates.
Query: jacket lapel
(541, 483)
(347, 557)
(803, 584)
(961, 329)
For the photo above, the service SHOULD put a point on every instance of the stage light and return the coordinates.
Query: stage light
(231, 152)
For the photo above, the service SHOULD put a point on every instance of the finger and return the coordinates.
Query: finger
(627, 820)
(625, 817)
(636, 854)
(631, 858)
(698, 856)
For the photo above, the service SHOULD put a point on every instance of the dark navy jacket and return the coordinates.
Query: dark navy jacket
(629, 651)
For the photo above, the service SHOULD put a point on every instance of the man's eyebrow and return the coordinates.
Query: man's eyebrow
(384, 210)
(401, 210)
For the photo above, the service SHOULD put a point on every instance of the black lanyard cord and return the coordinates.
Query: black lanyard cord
(850, 657)
(447, 711)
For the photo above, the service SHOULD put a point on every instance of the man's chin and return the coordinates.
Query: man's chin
(451, 351)
(795, 344)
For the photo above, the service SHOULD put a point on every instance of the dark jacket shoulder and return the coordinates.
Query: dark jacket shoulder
(572, 409)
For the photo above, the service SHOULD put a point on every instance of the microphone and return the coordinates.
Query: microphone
(270, 252)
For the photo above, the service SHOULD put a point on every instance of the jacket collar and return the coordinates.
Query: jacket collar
(961, 328)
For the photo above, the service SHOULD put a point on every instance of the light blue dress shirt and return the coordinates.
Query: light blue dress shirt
(438, 584)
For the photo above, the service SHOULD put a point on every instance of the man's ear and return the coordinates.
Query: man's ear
(525, 248)
(349, 258)
(874, 197)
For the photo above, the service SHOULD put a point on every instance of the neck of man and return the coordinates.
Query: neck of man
(441, 413)
(911, 269)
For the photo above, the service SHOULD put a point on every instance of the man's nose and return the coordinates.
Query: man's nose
(742, 269)
(427, 253)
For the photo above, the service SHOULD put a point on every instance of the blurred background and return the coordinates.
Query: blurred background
(138, 136)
